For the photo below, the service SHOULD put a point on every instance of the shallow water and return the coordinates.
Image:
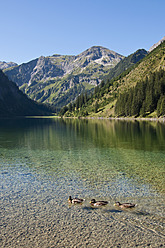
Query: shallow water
(43, 161)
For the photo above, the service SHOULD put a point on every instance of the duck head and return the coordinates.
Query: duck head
(117, 204)
(70, 199)
(93, 201)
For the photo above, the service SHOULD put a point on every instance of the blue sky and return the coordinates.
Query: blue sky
(31, 28)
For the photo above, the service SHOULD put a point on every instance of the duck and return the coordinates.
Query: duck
(93, 202)
(124, 205)
(75, 200)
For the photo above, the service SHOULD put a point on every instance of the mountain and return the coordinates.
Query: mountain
(59, 79)
(144, 82)
(14, 102)
(126, 63)
(5, 65)
(157, 44)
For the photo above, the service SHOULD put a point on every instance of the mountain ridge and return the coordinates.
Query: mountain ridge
(149, 71)
(60, 79)
(156, 44)
(5, 65)
(126, 63)
(47, 79)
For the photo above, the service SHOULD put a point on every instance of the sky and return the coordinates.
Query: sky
(33, 28)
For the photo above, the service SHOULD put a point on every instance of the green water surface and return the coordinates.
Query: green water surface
(43, 161)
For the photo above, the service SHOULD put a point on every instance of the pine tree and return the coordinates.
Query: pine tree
(143, 109)
(70, 107)
(128, 103)
(96, 107)
(149, 99)
(85, 97)
(161, 106)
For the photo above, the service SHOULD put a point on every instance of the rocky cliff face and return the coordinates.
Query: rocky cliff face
(50, 79)
(5, 65)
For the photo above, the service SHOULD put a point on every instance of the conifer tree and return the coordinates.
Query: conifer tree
(161, 106)
(96, 107)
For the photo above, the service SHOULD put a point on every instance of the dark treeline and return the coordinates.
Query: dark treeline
(78, 104)
(146, 97)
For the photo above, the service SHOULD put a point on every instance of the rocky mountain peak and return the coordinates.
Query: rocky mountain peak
(5, 65)
(101, 55)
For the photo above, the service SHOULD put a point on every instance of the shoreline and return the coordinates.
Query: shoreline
(158, 119)
(161, 119)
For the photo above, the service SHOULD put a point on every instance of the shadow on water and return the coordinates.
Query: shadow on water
(131, 211)
(90, 208)
(140, 213)
(113, 211)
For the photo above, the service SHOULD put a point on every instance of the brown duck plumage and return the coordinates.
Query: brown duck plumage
(93, 202)
(124, 205)
(75, 200)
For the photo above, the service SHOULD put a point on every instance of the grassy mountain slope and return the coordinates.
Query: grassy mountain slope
(14, 102)
(126, 63)
(102, 102)
(58, 79)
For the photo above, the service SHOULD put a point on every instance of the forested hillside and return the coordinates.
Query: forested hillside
(15, 103)
(146, 97)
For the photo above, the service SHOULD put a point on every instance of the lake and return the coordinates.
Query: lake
(43, 161)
